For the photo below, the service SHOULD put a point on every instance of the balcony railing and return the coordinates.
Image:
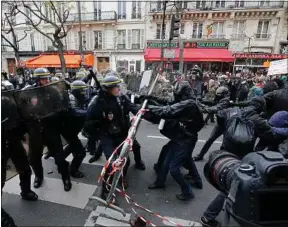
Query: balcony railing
(236, 4)
(121, 46)
(262, 36)
(96, 16)
(136, 46)
(196, 36)
(238, 36)
(218, 36)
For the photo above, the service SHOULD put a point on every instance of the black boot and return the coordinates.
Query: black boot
(29, 195)
(198, 158)
(140, 165)
(38, 182)
(95, 157)
(77, 174)
(67, 183)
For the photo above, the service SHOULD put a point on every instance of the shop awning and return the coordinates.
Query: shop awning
(193, 55)
(72, 61)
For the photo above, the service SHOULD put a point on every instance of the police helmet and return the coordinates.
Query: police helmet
(54, 79)
(222, 91)
(78, 84)
(42, 73)
(111, 81)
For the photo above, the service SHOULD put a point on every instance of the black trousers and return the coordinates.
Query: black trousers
(12, 148)
(49, 136)
(215, 134)
(70, 132)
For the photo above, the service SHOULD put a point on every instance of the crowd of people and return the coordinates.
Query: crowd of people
(102, 113)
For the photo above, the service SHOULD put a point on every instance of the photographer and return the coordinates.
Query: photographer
(256, 127)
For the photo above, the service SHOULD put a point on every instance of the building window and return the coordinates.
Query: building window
(183, 4)
(122, 64)
(218, 30)
(29, 14)
(135, 38)
(197, 30)
(97, 10)
(200, 4)
(83, 40)
(136, 9)
(239, 3)
(238, 29)
(121, 39)
(220, 4)
(265, 3)
(138, 66)
(156, 6)
(262, 30)
(121, 9)
(97, 40)
(159, 31)
(182, 28)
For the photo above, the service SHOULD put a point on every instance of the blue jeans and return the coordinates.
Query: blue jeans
(215, 207)
(176, 156)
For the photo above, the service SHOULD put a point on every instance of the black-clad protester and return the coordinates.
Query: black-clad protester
(108, 120)
(46, 131)
(183, 122)
(223, 102)
(254, 124)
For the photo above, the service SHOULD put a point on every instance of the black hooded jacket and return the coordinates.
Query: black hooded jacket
(276, 101)
(251, 113)
(183, 118)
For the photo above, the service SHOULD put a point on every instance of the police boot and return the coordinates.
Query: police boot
(38, 182)
(77, 174)
(30, 195)
(139, 164)
(6, 219)
(95, 157)
(66, 182)
(25, 182)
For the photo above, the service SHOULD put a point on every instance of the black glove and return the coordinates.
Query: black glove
(157, 110)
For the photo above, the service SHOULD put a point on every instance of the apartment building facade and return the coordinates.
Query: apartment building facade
(113, 31)
(248, 29)
(121, 33)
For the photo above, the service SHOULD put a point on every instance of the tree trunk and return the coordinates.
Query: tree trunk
(61, 56)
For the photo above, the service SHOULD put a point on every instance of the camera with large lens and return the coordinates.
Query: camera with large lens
(256, 186)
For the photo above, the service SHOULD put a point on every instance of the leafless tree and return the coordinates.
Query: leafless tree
(55, 14)
(8, 29)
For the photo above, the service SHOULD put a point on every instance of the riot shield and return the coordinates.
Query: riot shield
(40, 102)
(10, 116)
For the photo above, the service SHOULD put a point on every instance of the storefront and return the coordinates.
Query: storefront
(209, 55)
(253, 62)
(52, 61)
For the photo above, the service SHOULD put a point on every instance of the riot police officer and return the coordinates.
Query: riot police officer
(108, 118)
(72, 125)
(12, 147)
(46, 131)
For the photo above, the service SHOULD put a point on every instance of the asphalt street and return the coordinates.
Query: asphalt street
(75, 208)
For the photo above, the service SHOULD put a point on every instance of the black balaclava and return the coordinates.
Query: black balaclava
(182, 91)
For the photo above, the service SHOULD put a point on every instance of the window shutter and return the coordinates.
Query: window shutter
(142, 41)
(76, 40)
(129, 39)
(104, 39)
(115, 39)
(89, 37)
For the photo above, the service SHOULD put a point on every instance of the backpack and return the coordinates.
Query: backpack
(239, 130)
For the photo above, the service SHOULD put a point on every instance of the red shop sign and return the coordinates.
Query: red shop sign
(261, 56)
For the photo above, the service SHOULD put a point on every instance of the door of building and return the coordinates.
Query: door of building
(11, 65)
